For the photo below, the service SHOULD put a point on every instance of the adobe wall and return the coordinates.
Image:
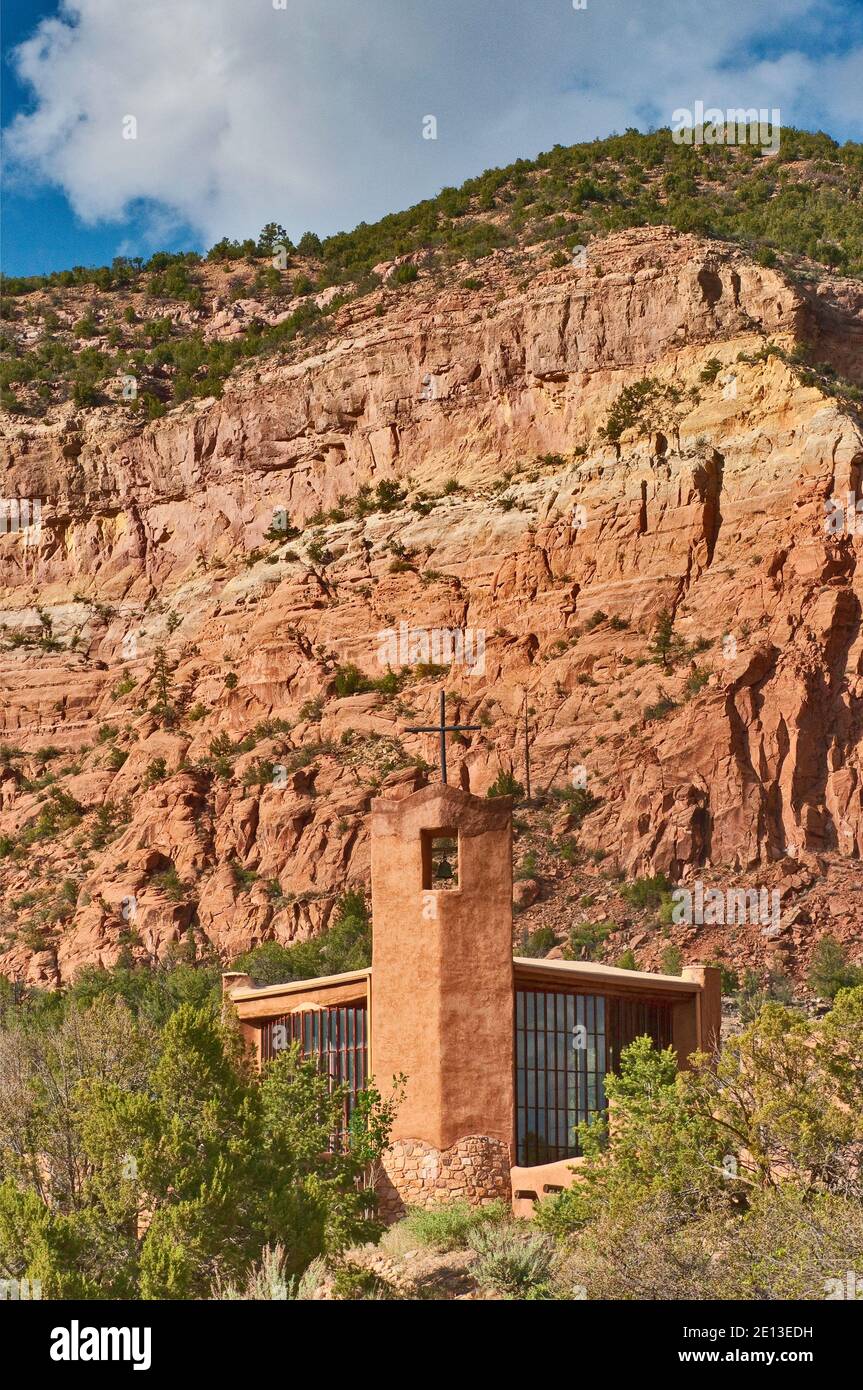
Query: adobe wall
(442, 969)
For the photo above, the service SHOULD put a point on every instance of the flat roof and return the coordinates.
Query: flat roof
(298, 986)
(588, 970)
(604, 974)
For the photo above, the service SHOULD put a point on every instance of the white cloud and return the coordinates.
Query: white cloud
(312, 115)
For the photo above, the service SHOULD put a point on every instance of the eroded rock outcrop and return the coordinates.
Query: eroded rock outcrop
(559, 546)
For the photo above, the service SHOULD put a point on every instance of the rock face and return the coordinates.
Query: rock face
(549, 549)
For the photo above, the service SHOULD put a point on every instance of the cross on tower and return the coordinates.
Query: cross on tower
(443, 729)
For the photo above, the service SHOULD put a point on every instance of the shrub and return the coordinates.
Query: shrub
(230, 1161)
(404, 274)
(596, 619)
(646, 892)
(352, 1282)
(756, 991)
(243, 878)
(695, 681)
(171, 884)
(663, 707)
(349, 680)
(671, 961)
(539, 942)
(60, 812)
(711, 370)
(586, 939)
(729, 981)
(451, 1225)
(264, 1280)
(345, 945)
(316, 550)
(579, 802)
(505, 784)
(527, 868)
(512, 1259)
(830, 970)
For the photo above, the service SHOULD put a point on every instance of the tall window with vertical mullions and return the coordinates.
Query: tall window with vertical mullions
(565, 1044)
(560, 1050)
(337, 1037)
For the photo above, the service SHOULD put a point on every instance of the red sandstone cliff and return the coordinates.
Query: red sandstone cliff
(560, 547)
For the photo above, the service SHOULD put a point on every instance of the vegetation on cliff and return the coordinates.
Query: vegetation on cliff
(146, 318)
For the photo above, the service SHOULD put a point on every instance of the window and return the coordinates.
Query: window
(337, 1037)
(629, 1019)
(560, 1066)
(440, 859)
(565, 1043)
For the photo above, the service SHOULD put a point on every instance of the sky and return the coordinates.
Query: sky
(131, 126)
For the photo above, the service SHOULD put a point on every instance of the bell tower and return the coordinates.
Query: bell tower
(442, 991)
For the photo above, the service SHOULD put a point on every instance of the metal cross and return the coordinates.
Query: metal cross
(443, 729)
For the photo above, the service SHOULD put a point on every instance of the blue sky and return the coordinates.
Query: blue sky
(310, 112)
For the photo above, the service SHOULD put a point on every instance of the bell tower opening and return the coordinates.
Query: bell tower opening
(440, 860)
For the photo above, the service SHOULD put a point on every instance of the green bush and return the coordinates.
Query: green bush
(505, 784)
(404, 274)
(830, 970)
(352, 1282)
(451, 1225)
(578, 801)
(349, 680)
(538, 943)
(345, 945)
(226, 1162)
(528, 867)
(663, 707)
(586, 940)
(646, 892)
(671, 961)
(512, 1259)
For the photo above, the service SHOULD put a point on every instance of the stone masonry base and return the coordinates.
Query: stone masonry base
(475, 1170)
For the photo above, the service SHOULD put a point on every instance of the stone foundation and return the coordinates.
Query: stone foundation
(414, 1174)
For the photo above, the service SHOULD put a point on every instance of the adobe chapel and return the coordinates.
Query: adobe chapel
(503, 1056)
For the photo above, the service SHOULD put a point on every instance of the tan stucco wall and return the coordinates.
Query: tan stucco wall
(442, 968)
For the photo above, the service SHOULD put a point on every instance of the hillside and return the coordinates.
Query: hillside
(613, 466)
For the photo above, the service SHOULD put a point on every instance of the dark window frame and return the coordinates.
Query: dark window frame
(336, 1036)
(551, 1100)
